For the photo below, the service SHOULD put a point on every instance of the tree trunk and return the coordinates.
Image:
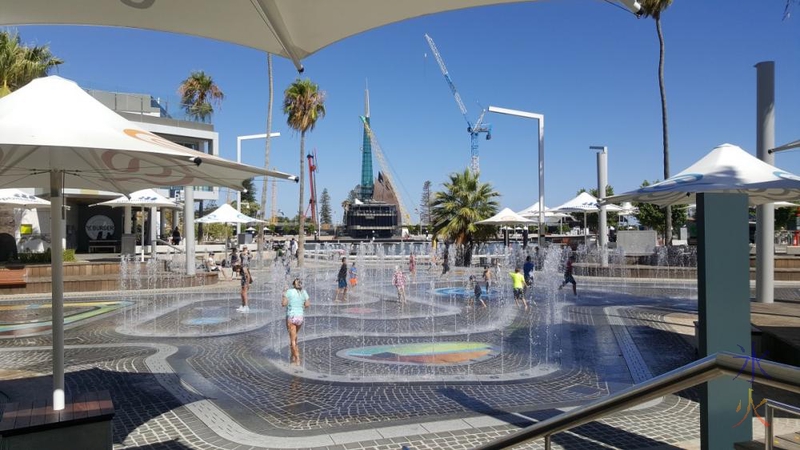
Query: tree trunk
(301, 234)
(665, 134)
(261, 239)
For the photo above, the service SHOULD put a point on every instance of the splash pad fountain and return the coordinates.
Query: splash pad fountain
(371, 337)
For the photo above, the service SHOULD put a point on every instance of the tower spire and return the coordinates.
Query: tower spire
(367, 183)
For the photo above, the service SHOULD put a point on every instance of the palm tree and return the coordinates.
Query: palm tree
(197, 93)
(455, 210)
(266, 156)
(654, 8)
(304, 105)
(19, 64)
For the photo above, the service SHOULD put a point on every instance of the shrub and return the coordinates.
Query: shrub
(44, 258)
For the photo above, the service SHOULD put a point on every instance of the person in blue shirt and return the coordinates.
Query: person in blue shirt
(295, 300)
(527, 271)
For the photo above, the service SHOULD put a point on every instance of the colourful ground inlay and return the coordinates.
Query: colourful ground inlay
(424, 352)
(80, 311)
(465, 292)
(206, 321)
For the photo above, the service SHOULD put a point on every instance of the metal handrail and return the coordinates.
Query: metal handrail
(781, 376)
(769, 417)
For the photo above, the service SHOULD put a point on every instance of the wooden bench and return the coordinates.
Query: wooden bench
(84, 424)
(11, 278)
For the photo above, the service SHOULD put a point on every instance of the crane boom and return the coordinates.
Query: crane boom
(473, 130)
(447, 78)
(376, 147)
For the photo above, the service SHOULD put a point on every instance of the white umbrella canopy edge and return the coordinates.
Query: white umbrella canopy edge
(726, 169)
(21, 199)
(97, 147)
(293, 29)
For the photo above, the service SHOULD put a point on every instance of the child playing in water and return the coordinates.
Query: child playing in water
(568, 278)
(477, 292)
(353, 275)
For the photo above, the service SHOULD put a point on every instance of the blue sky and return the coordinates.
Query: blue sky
(587, 65)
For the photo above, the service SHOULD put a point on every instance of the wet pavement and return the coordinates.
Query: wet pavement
(187, 371)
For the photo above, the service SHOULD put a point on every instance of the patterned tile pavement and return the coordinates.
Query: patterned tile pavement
(228, 385)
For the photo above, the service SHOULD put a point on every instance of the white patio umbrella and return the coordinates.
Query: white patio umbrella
(726, 169)
(506, 217)
(226, 214)
(550, 215)
(53, 134)
(21, 199)
(290, 28)
(585, 203)
(145, 198)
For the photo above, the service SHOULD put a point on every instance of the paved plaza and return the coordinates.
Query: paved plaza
(185, 370)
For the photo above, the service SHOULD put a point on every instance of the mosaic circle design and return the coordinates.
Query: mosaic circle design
(206, 321)
(423, 353)
(358, 310)
(465, 293)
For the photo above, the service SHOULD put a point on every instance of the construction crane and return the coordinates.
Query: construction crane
(387, 177)
(312, 181)
(473, 130)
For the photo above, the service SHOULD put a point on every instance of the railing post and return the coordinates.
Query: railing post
(547, 444)
(769, 428)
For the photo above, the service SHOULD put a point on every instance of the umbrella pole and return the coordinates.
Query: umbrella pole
(585, 232)
(141, 233)
(57, 270)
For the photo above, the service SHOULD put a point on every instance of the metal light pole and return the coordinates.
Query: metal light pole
(239, 140)
(602, 182)
(540, 118)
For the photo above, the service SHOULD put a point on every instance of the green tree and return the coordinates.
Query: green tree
(454, 211)
(249, 194)
(198, 91)
(325, 208)
(654, 9)
(652, 216)
(304, 105)
(19, 64)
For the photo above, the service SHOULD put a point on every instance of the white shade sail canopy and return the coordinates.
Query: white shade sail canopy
(726, 169)
(53, 123)
(146, 198)
(21, 199)
(550, 216)
(506, 217)
(585, 203)
(226, 214)
(290, 28)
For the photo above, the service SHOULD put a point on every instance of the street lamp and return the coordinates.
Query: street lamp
(239, 140)
(602, 182)
(540, 118)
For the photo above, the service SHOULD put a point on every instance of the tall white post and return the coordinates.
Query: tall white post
(57, 261)
(128, 217)
(540, 235)
(188, 232)
(765, 214)
(153, 233)
(602, 182)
